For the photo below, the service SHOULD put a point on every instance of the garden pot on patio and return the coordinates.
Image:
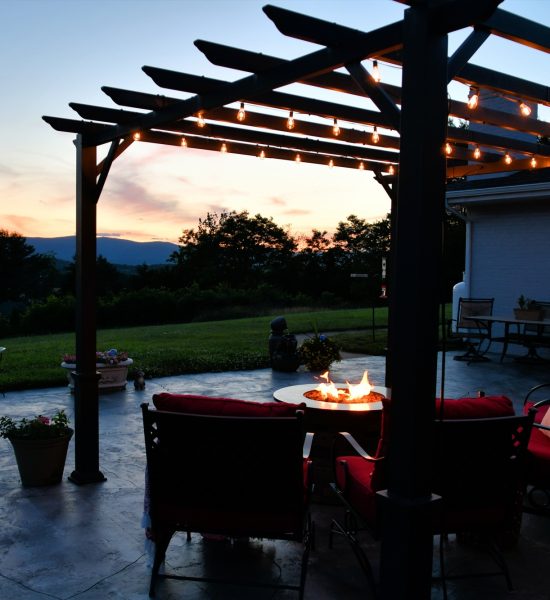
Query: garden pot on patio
(41, 461)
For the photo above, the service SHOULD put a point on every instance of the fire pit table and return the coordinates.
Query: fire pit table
(325, 418)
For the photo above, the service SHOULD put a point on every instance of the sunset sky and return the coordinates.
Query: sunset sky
(53, 52)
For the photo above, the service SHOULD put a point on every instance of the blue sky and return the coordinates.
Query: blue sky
(53, 52)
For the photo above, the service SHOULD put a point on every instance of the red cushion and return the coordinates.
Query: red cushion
(475, 408)
(356, 478)
(229, 407)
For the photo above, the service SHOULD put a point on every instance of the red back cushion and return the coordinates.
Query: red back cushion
(229, 407)
(475, 408)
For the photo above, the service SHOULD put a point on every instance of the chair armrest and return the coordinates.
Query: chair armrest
(308, 441)
(535, 389)
(357, 447)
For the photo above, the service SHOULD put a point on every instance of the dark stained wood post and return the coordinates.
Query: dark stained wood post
(86, 395)
(407, 504)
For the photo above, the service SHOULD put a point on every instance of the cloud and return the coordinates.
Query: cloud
(277, 201)
(297, 212)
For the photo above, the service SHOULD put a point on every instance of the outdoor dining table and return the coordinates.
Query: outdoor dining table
(508, 321)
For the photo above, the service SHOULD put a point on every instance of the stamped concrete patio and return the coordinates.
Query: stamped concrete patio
(87, 542)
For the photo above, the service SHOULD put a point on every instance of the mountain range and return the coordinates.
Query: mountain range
(115, 250)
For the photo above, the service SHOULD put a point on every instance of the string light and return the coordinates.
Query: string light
(200, 120)
(448, 149)
(331, 163)
(375, 136)
(477, 153)
(241, 114)
(335, 127)
(376, 71)
(262, 155)
(136, 136)
(298, 158)
(361, 166)
(507, 159)
(524, 109)
(290, 121)
(183, 143)
(473, 99)
(391, 170)
(533, 162)
(223, 148)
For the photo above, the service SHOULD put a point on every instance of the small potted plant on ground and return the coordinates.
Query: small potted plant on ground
(319, 352)
(40, 445)
(527, 309)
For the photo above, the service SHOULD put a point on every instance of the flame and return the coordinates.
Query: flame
(330, 392)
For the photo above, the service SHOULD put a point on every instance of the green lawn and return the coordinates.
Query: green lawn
(33, 361)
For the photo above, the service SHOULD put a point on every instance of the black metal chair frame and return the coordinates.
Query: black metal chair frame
(463, 481)
(476, 334)
(535, 491)
(232, 476)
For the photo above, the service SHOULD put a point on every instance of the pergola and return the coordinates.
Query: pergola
(409, 160)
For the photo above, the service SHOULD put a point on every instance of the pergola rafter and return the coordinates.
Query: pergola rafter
(417, 112)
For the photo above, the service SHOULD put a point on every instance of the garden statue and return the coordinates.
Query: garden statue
(283, 351)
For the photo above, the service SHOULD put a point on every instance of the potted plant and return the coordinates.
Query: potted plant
(318, 352)
(527, 309)
(111, 364)
(40, 445)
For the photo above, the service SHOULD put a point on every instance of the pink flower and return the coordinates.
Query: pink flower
(44, 420)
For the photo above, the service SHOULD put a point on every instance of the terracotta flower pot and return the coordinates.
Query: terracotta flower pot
(41, 462)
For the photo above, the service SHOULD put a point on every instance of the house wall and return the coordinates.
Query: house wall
(510, 253)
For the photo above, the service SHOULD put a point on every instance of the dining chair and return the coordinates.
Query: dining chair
(475, 334)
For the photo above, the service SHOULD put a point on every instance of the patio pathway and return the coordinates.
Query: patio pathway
(86, 542)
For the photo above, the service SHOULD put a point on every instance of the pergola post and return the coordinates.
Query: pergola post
(86, 395)
(407, 542)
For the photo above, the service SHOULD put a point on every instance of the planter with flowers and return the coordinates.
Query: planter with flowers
(319, 352)
(112, 365)
(40, 445)
(528, 310)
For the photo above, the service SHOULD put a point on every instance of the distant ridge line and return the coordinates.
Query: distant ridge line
(115, 250)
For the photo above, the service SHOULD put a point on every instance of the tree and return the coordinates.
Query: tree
(24, 274)
(234, 249)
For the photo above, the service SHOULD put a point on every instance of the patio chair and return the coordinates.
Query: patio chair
(478, 459)
(475, 334)
(538, 457)
(238, 473)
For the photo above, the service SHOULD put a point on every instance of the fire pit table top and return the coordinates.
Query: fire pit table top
(296, 394)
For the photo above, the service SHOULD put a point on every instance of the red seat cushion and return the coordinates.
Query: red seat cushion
(354, 476)
(229, 407)
(475, 408)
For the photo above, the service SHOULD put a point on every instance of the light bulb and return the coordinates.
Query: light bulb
(477, 153)
(473, 100)
(507, 159)
(533, 162)
(524, 109)
(375, 136)
(241, 114)
(290, 121)
(336, 128)
(376, 71)
(262, 155)
(361, 166)
(331, 163)
(136, 136)
(448, 149)
(183, 143)
(200, 120)
(298, 158)
(223, 148)
(391, 170)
